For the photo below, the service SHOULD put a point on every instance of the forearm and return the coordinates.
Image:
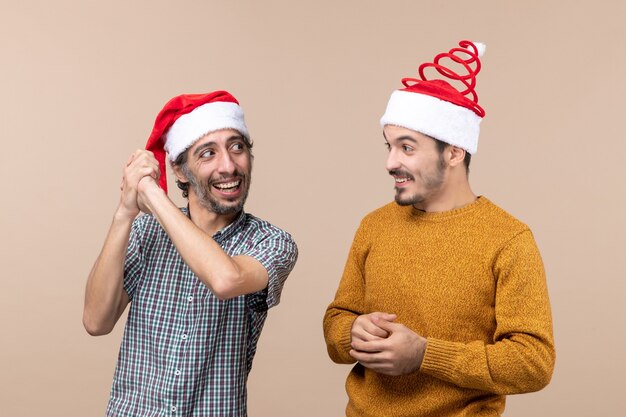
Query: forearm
(105, 298)
(521, 363)
(348, 303)
(224, 275)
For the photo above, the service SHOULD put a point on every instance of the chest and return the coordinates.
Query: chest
(169, 297)
(430, 281)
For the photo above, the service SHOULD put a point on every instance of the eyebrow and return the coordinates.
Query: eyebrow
(405, 137)
(202, 147)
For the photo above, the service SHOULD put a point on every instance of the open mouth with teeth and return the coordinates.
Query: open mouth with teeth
(400, 178)
(401, 181)
(230, 187)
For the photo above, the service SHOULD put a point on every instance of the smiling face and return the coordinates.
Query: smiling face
(218, 169)
(416, 164)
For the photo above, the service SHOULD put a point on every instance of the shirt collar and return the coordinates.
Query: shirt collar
(227, 231)
(234, 227)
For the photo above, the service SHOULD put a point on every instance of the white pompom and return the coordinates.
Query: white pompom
(481, 47)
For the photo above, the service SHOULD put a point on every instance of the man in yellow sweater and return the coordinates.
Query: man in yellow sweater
(443, 303)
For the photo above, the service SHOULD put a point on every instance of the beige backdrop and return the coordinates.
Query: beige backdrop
(81, 83)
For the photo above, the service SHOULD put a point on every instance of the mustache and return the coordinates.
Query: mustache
(401, 173)
(222, 178)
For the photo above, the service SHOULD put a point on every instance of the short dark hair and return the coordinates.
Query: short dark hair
(441, 146)
(181, 161)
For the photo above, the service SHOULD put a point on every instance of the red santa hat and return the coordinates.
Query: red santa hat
(436, 108)
(187, 118)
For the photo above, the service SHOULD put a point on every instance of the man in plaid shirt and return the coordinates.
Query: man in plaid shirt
(199, 279)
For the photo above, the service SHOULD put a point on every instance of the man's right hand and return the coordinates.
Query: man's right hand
(364, 329)
(140, 164)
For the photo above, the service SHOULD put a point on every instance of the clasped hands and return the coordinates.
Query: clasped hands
(140, 174)
(387, 347)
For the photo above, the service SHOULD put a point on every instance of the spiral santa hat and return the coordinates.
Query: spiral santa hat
(437, 109)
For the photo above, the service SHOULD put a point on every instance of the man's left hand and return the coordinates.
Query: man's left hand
(400, 353)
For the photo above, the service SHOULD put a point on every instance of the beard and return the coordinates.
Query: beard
(430, 181)
(202, 189)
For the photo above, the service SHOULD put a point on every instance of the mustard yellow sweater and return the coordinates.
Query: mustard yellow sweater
(472, 282)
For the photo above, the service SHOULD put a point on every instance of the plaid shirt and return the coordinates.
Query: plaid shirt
(184, 352)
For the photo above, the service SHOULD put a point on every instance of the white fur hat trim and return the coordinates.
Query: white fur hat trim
(434, 117)
(202, 120)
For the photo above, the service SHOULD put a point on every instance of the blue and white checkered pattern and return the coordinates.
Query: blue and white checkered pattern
(184, 352)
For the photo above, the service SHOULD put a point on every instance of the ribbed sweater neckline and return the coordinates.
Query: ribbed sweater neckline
(445, 215)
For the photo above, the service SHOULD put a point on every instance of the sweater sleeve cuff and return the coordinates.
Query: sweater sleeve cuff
(339, 350)
(344, 342)
(440, 358)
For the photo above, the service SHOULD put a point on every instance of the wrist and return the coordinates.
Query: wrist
(123, 215)
(150, 196)
(148, 189)
(421, 351)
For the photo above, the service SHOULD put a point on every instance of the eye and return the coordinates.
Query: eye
(387, 146)
(207, 153)
(407, 148)
(237, 147)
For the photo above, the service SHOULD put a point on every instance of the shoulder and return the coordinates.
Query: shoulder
(502, 228)
(496, 217)
(382, 221)
(258, 229)
(267, 243)
(388, 213)
(146, 224)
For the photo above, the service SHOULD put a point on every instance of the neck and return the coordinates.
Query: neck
(208, 221)
(455, 193)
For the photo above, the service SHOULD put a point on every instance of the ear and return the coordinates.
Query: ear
(179, 174)
(457, 155)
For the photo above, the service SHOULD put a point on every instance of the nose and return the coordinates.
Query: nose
(392, 161)
(226, 163)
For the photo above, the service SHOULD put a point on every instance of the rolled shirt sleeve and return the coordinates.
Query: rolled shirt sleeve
(278, 254)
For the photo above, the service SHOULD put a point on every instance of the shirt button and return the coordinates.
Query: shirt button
(190, 298)
(184, 336)
(177, 372)
(173, 409)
